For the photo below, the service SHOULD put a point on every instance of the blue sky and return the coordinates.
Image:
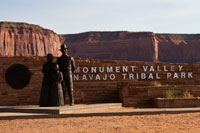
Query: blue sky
(75, 16)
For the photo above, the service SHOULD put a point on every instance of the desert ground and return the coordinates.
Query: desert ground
(160, 123)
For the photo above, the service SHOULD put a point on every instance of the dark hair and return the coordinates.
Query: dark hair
(50, 54)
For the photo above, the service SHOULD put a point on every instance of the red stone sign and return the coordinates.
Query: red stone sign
(96, 81)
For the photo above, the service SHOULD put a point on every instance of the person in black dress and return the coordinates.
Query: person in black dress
(46, 83)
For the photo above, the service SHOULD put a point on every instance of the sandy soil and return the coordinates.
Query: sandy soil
(165, 123)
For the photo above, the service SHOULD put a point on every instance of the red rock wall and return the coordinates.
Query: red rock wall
(21, 39)
(178, 47)
(138, 46)
(112, 45)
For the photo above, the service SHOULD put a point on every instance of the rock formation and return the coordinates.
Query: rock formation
(112, 45)
(22, 39)
(139, 46)
(179, 48)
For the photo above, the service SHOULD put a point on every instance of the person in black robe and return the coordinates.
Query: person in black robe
(56, 93)
(46, 83)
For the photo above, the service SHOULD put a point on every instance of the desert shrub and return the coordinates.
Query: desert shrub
(186, 94)
(173, 94)
(168, 94)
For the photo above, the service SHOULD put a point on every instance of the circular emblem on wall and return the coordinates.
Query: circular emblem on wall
(18, 76)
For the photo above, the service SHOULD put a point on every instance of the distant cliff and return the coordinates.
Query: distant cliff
(112, 45)
(179, 48)
(139, 46)
(22, 39)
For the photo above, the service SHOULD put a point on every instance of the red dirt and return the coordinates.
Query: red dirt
(165, 123)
